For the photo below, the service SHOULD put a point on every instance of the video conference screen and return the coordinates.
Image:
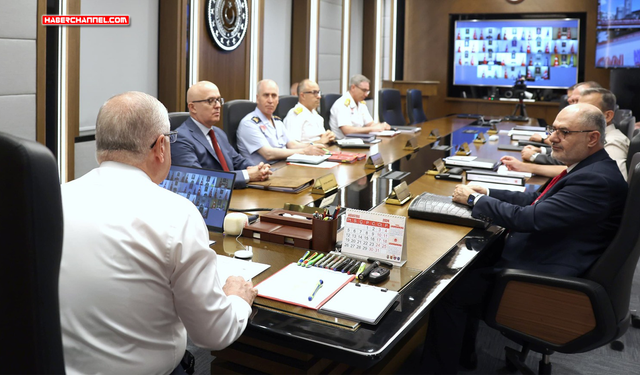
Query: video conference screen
(497, 52)
(618, 34)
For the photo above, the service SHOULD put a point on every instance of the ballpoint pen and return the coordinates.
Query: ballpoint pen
(316, 290)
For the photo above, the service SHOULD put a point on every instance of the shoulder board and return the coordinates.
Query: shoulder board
(347, 101)
(363, 102)
(277, 118)
(298, 110)
(256, 119)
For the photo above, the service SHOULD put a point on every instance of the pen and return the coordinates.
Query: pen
(316, 291)
(360, 269)
(311, 263)
(335, 262)
(308, 259)
(335, 214)
(328, 259)
(354, 268)
(303, 257)
(341, 265)
(390, 265)
(368, 270)
(348, 266)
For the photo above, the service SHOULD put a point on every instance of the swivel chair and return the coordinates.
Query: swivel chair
(285, 103)
(625, 122)
(326, 102)
(414, 107)
(634, 147)
(564, 101)
(177, 118)
(547, 313)
(233, 112)
(31, 229)
(390, 107)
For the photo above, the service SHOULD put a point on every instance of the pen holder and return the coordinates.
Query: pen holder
(323, 235)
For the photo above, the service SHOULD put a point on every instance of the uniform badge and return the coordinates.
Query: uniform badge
(298, 110)
(277, 118)
(256, 119)
(263, 128)
(363, 102)
(347, 101)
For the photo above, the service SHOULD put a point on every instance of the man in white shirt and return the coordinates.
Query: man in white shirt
(350, 115)
(303, 122)
(137, 272)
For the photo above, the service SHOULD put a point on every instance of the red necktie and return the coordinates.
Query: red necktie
(550, 185)
(216, 147)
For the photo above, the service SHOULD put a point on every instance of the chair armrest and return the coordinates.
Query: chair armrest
(559, 313)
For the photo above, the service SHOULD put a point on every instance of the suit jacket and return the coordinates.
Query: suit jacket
(569, 227)
(547, 160)
(192, 149)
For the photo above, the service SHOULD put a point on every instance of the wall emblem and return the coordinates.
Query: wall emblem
(227, 22)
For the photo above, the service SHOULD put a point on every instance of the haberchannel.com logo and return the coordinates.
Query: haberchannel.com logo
(82, 20)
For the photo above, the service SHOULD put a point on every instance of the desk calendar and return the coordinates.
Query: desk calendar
(375, 235)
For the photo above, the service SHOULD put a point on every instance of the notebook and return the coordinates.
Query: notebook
(360, 302)
(307, 159)
(209, 190)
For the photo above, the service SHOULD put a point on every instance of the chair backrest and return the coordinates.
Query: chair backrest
(31, 229)
(635, 159)
(564, 101)
(634, 146)
(614, 270)
(177, 118)
(326, 102)
(390, 107)
(233, 112)
(415, 112)
(285, 103)
(625, 123)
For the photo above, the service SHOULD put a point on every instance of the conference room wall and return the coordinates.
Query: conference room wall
(329, 50)
(427, 39)
(18, 32)
(277, 43)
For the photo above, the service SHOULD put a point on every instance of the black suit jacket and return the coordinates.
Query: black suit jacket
(569, 227)
(192, 149)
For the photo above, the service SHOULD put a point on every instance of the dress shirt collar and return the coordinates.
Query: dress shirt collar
(352, 103)
(114, 166)
(203, 129)
(305, 110)
(263, 117)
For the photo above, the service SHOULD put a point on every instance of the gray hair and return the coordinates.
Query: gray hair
(358, 79)
(304, 84)
(607, 98)
(127, 125)
(593, 119)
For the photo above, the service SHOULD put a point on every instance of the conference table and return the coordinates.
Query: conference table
(284, 338)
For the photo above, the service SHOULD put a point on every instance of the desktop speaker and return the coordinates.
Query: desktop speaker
(234, 222)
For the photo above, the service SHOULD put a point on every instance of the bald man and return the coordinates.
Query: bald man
(200, 144)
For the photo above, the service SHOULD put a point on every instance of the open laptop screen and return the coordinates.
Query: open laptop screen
(209, 190)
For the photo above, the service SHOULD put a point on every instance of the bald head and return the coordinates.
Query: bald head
(267, 97)
(578, 134)
(201, 111)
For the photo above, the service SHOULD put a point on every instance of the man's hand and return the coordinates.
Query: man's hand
(313, 150)
(461, 192)
(259, 172)
(536, 138)
(238, 286)
(514, 164)
(327, 137)
(378, 127)
(528, 151)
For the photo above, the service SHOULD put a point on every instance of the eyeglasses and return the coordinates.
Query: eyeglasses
(173, 136)
(314, 92)
(366, 91)
(563, 133)
(210, 101)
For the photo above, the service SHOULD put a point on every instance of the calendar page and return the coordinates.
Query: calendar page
(375, 235)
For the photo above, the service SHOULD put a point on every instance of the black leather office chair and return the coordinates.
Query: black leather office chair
(563, 102)
(624, 120)
(635, 159)
(233, 112)
(634, 147)
(415, 112)
(326, 102)
(31, 229)
(285, 103)
(390, 107)
(569, 314)
(177, 118)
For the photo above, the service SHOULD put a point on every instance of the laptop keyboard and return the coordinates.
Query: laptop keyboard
(440, 208)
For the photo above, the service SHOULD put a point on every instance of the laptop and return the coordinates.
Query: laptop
(209, 190)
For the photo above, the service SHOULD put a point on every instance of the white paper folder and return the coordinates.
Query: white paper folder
(360, 302)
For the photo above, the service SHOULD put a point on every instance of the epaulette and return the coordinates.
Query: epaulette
(277, 118)
(256, 119)
(347, 101)
(298, 110)
(363, 102)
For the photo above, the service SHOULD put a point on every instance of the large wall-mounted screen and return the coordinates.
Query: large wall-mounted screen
(618, 32)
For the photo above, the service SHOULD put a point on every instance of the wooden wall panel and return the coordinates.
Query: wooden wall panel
(172, 54)
(427, 38)
(300, 34)
(369, 44)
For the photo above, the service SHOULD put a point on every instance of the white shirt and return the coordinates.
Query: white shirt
(345, 111)
(136, 270)
(617, 146)
(304, 125)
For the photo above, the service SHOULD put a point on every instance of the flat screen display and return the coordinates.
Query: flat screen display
(209, 190)
(618, 34)
(496, 52)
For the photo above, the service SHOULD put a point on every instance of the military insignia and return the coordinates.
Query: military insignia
(263, 128)
(256, 119)
(298, 110)
(363, 102)
(277, 118)
(347, 101)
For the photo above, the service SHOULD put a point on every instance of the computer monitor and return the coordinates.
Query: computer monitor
(208, 189)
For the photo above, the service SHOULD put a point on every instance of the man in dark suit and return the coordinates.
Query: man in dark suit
(561, 231)
(200, 144)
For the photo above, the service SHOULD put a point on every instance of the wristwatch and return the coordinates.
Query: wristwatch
(471, 200)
